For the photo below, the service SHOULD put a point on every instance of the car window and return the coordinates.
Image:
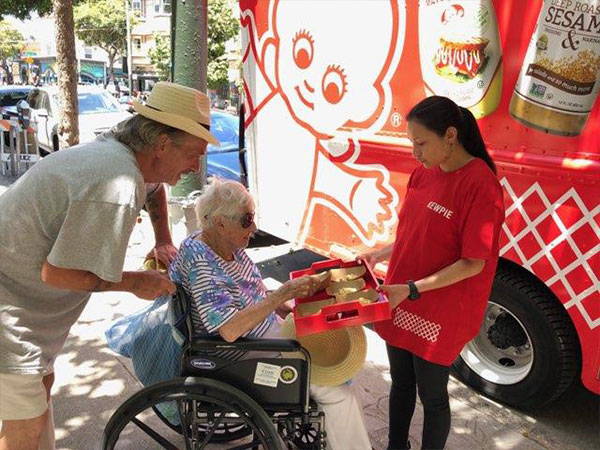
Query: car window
(34, 99)
(11, 98)
(94, 103)
(225, 128)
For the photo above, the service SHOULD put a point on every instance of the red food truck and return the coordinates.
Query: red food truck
(327, 87)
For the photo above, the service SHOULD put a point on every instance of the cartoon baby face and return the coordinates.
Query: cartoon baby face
(330, 60)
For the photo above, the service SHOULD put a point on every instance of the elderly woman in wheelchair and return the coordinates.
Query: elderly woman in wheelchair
(213, 358)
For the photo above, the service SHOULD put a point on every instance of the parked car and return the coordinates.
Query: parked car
(98, 112)
(223, 161)
(126, 103)
(9, 97)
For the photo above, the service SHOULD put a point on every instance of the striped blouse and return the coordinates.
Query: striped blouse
(218, 288)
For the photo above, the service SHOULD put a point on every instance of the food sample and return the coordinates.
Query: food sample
(343, 287)
(347, 273)
(310, 308)
(150, 264)
(364, 296)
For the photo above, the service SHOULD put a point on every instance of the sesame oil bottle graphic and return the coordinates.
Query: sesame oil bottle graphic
(559, 79)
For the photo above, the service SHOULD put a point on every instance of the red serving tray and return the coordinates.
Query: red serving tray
(339, 315)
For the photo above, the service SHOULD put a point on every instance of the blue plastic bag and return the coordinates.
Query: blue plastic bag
(150, 339)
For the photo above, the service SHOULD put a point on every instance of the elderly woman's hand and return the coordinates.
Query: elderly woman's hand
(298, 288)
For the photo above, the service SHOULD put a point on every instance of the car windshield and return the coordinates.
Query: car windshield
(96, 103)
(226, 129)
(11, 98)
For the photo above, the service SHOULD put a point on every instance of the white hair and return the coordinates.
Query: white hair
(221, 197)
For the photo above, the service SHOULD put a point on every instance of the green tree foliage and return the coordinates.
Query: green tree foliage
(160, 55)
(11, 42)
(102, 23)
(65, 56)
(222, 26)
(23, 8)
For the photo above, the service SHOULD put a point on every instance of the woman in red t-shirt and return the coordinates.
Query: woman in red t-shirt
(441, 265)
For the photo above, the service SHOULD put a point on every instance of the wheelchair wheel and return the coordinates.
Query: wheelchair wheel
(204, 407)
(303, 435)
(225, 432)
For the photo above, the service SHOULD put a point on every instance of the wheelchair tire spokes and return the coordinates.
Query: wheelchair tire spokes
(303, 434)
(154, 435)
(205, 408)
(227, 431)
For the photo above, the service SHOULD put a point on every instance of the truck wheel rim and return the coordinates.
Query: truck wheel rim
(494, 364)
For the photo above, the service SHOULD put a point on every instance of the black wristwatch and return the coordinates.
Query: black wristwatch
(414, 293)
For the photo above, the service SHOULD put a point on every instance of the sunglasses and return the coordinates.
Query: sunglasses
(247, 220)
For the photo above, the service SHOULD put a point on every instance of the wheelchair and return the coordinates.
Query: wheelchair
(254, 403)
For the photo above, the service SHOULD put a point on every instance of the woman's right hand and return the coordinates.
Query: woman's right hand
(301, 287)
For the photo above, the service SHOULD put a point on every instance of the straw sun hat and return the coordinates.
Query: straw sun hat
(336, 355)
(180, 107)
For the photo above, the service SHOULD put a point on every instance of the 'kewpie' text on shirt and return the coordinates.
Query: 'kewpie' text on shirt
(436, 207)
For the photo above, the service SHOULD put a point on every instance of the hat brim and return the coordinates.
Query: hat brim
(176, 121)
(351, 340)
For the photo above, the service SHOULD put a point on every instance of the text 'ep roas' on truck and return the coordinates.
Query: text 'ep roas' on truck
(327, 86)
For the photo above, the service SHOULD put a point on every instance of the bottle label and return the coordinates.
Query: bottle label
(561, 69)
(459, 47)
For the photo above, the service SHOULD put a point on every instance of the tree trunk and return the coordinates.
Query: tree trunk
(66, 65)
(111, 64)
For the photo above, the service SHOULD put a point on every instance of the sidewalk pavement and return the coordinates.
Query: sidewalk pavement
(91, 382)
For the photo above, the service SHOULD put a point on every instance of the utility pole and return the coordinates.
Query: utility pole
(129, 57)
(189, 61)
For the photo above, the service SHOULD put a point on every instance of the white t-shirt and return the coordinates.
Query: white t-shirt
(76, 208)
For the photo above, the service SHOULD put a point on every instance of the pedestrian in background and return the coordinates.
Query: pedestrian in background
(441, 265)
(65, 227)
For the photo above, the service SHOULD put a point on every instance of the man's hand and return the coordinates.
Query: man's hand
(165, 252)
(396, 293)
(150, 284)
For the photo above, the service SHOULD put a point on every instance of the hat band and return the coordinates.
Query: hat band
(205, 125)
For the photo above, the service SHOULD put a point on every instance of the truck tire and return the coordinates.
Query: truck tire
(527, 352)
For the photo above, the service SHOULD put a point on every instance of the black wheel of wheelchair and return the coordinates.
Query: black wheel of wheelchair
(203, 406)
(224, 433)
(304, 436)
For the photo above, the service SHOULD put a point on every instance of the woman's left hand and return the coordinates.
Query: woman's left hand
(396, 293)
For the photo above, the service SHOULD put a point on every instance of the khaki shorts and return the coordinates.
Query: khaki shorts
(22, 396)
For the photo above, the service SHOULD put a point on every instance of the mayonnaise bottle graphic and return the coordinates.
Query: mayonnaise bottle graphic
(460, 52)
(560, 76)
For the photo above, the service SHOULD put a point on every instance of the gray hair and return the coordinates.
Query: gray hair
(221, 197)
(140, 133)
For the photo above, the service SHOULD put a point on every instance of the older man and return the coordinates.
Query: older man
(64, 227)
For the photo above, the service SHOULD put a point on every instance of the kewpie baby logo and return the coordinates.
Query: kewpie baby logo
(328, 70)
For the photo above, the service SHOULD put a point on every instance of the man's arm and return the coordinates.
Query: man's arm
(156, 205)
(147, 284)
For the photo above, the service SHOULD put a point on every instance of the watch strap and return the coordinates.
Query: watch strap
(414, 293)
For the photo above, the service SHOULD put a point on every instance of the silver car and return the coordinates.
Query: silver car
(98, 112)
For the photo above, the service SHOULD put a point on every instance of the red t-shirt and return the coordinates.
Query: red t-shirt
(444, 217)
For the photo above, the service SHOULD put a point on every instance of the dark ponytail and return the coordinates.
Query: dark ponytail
(438, 113)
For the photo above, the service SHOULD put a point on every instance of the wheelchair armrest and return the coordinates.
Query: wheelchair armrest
(245, 344)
